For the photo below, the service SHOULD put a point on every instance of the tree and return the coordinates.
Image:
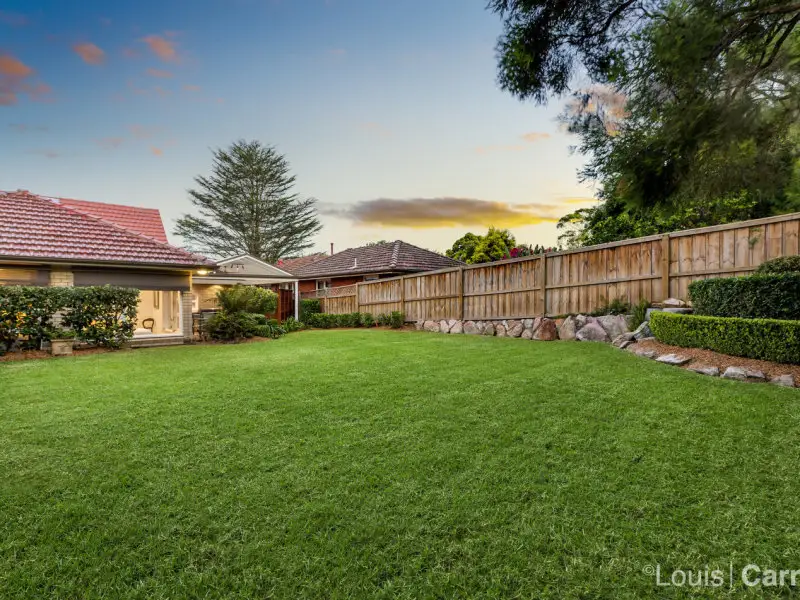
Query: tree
(495, 245)
(247, 206)
(464, 247)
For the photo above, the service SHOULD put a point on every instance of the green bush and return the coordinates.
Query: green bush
(309, 306)
(26, 314)
(764, 339)
(233, 326)
(752, 297)
(292, 324)
(247, 299)
(639, 313)
(784, 264)
(367, 320)
(396, 319)
(618, 306)
(105, 316)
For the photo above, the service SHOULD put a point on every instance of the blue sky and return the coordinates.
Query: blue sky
(388, 112)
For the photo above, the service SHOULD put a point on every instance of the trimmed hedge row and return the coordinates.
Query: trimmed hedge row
(395, 320)
(764, 339)
(309, 306)
(752, 297)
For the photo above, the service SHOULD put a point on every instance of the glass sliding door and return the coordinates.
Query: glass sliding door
(159, 313)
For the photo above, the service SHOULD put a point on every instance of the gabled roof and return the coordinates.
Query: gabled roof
(146, 221)
(246, 265)
(293, 264)
(42, 228)
(387, 257)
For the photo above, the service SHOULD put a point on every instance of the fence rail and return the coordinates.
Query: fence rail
(582, 280)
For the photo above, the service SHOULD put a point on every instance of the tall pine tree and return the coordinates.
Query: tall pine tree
(246, 206)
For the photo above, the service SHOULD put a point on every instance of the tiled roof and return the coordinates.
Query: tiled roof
(37, 227)
(387, 257)
(146, 221)
(290, 265)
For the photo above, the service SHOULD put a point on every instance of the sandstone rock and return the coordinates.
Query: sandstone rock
(419, 325)
(623, 338)
(488, 328)
(581, 321)
(444, 326)
(546, 332)
(527, 323)
(705, 370)
(501, 330)
(625, 344)
(527, 334)
(673, 359)
(754, 374)
(592, 332)
(674, 302)
(613, 324)
(432, 326)
(642, 331)
(568, 329)
(471, 328)
(737, 373)
(651, 354)
(783, 381)
(514, 328)
(457, 327)
(452, 323)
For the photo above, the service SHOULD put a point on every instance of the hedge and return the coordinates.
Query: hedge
(309, 306)
(764, 339)
(395, 320)
(784, 264)
(775, 296)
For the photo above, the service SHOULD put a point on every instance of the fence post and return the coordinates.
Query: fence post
(544, 284)
(403, 294)
(357, 284)
(665, 260)
(460, 293)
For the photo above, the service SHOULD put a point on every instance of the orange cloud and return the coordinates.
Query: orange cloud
(191, 88)
(159, 73)
(156, 151)
(426, 213)
(535, 136)
(163, 48)
(15, 80)
(91, 54)
(110, 143)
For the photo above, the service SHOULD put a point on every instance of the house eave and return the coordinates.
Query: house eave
(28, 260)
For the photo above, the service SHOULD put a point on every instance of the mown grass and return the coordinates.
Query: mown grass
(355, 464)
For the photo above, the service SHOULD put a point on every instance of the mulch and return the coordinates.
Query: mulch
(43, 354)
(710, 358)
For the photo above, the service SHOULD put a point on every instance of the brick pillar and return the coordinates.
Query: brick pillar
(186, 308)
(61, 278)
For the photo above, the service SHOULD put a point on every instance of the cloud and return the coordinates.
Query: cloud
(130, 53)
(425, 213)
(91, 54)
(140, 132)
(159, 73)
(13, 19)
(110, 143)
(191, 88)
(535, 136)
(25, 128)
(156, 151)
(15, 79)
(163, 48)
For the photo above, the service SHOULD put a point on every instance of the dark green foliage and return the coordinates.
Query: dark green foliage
(247, 298)
(638, 313)
(753, 297)
(351, 320)
(26, 312)
(309, 306)
(291, 324)
(247, 206)
(763, 339)
(367, 320)
(235, 326)
(618, 306)
(784, 264)
(105, 316)
(396, 319)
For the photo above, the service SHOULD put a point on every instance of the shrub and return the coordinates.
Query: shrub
(105, 316)
(618, 306)
(247, 299)
(310, 306)
(367, 320)
(383, 320)
(322, 320)
(639, 313)
(397, 319)
(234, 326)
(754, 297)
(784, 264)
(27, 312)
(292, 324)
(765, 339)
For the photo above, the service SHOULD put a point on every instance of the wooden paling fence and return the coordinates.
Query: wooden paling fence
(577, 281)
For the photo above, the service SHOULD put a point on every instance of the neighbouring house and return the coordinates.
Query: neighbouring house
(245, 270)
(367, 263)
(62, 242)
(292, 264)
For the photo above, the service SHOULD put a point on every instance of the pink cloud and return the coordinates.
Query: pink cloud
(91, 54)
(159, 73)
(535, 136)
(162, 47)
(156, 151)
(191, 88)
(15, 79)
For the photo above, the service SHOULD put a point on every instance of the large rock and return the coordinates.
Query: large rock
(444, 326)
(679, 311)
(614, 324)
(500, 330)
(737, 373)
(592, 332)
(432, 326)
(651, 354)
(547, 331)
(674, 302)
(755, 375)
(783, 381)
(527, 334)
(514, 328)
(568, 329)
(487, 328)
(471, 328)
(456, 327)
(642, 331)
(581, 321)
(705, 370)
(673, 359)
(419, 325)
(623, 338)
(528, 323)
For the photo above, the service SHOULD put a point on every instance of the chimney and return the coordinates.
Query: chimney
(331, 248)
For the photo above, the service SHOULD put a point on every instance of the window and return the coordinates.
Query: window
(18, 277)
(159, 313)
(323, 284)
(371, 278)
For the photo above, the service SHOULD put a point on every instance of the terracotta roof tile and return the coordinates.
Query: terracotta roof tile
(37, 227)
(146, 221)
(290, 265)
(388, 257)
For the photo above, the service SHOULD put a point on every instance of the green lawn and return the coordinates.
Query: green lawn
(344, 464)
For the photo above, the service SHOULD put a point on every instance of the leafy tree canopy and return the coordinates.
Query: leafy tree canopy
(246, 206)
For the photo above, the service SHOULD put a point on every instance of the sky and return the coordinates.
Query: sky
(388, 112)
